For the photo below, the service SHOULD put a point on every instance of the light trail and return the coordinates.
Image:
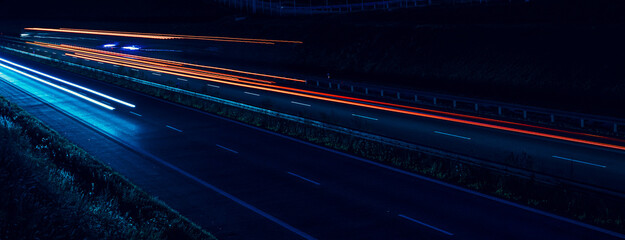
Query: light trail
(59, 87)
(163, 36)
(69, 83)
(107, 52)
(172, 62)
(107, 55)
(213, 74)
(418, 114)
(145, 67)
(191, 36)
(167, 61)
(98, 33)
(391, 107)
(446, 113)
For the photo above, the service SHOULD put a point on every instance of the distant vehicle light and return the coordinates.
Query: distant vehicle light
(131, 48)
(110, 45)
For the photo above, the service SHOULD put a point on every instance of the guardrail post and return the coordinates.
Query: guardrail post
(615, 128)
(434, 101)
(454, 103)
(382, 92)
(416, 99)
(317, 83)
(476, 107)
(338, 86)
(581, 123)
(398, 95)
(499, 110)
(367, 91)
(330, 84)
(352, 88)
(553, 119)
(524, 114)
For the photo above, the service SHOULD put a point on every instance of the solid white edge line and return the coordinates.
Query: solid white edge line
(425, 224)
(211, 85)
(227, 149)
(70, 83)
(254, 94)
(190, 176)
(578, 161)
(452, 135)
(61, 88)
(303, 178)
(182, 79)
(468, 191)
(134, 113)
(448, 185)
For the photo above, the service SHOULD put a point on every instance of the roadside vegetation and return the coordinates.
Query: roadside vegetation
(585, 205)
(52, 189)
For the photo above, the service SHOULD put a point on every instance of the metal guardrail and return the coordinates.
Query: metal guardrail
(577, 121)
(516, 171)
(473, 106)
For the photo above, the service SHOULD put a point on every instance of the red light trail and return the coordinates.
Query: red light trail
(177, 69)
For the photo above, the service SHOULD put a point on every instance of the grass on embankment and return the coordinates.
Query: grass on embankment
(52, 189)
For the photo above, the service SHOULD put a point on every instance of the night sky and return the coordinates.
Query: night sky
(576, 11)
(117, 10)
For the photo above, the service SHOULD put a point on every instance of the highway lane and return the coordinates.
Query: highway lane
(578, 162)
(353, 199)
(225, 218)
(594, 165)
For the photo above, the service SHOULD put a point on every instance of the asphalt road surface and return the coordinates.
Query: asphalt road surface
(241, 182)
(578, 162)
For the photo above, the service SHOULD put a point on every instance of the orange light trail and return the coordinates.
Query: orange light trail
(169, 70)
(191, 36)
(485, 125)
(168, 61)
(107, 52)
(261, 86)
(163, 36)
(243, 72)
(394, 105)
(185, 69)
(139, 35)
(96, 33)
(221, 75)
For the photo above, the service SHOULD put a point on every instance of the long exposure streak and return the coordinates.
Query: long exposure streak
(59, 87)
(162, 66)
(162, 36)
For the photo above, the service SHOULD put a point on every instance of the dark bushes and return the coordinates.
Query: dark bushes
(51, 189)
